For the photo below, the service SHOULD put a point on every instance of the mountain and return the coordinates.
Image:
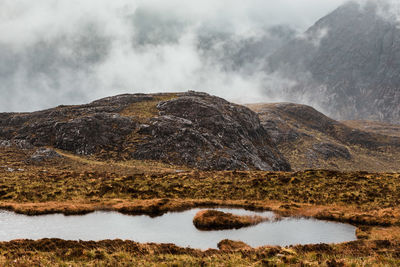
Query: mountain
(347, 64)
(242, 54)
(311, 140)
(187, 129)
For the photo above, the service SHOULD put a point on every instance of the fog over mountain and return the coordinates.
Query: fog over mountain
(341, 57)
(348, 63)
(65, 52)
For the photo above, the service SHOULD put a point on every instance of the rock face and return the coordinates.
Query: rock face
(209, 132)
(348, 63)
(192, 129)
(329, 150)
(87, 134)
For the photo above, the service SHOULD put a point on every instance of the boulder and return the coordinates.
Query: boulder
(43, 154)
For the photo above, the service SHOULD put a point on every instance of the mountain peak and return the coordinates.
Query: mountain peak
(352, 70)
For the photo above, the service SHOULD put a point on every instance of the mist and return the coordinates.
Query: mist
(56, 52)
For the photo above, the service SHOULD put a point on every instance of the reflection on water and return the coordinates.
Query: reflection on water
(173, 227)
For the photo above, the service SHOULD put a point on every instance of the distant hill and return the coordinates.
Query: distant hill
(348, 63)
(311, 140)
(375, 127)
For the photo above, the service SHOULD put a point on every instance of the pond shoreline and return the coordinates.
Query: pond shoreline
(158, 207)
(173, 227)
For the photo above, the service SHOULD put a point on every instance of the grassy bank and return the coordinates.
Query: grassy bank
(127, 253)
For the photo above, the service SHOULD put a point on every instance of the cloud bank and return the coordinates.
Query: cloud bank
(69, 52)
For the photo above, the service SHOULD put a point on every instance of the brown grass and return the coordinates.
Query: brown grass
(143, 111)
(230, 245)
(356, 197)
(50, 252)
(375, 127)
(77, 185)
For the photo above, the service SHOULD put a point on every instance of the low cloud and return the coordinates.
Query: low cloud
(68, 52)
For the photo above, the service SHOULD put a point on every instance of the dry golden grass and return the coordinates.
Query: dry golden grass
(349, 196)
(77, 185)
(51, 252)
(143, 111)
(362, 159)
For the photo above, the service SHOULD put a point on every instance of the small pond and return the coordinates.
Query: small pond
(172, 227)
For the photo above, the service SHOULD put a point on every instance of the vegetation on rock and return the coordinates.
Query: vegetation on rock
(218, 220)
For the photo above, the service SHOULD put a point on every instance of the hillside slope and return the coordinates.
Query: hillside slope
(311, 140)
(189, 129)
(375, 127)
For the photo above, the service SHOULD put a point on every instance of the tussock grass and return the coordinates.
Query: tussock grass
(55, 252)
(217, 220)
(78, 185)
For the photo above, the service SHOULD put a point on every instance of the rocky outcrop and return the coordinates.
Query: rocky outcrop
(329, 150)
(88, 134)
(43, 154)
(82, 135)
(209, 132)
(191, 129)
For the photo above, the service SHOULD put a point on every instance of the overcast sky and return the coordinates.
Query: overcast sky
(73, 51)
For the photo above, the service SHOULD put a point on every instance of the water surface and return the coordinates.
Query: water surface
(173, 227)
